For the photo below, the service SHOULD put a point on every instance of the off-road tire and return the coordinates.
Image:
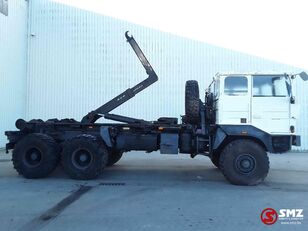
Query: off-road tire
(90, 165)
(192, 102)
(232, 163)
(46, 155)
(114, 157)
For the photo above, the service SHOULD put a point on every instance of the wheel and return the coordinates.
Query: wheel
(244, 162)
(36, 155)
(192, 102)
(84, 157)
(215, 159)
(114, 157)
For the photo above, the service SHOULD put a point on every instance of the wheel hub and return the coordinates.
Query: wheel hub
(245, 163)
(81, 158)
(33, 157)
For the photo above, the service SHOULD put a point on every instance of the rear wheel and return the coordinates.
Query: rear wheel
(36, 155)
(83, 157)
(192, 102)
(114, 157)
(244, 162)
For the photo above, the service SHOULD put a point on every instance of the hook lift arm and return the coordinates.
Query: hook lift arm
(103, 110)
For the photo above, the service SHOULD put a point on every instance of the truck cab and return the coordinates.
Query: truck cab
(262, 102)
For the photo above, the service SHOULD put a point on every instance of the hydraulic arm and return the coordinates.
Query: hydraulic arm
(103, 110)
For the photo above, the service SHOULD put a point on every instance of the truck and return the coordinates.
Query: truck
(241, 118)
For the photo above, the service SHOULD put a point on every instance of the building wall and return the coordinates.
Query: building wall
(13, 56)
(79, 59)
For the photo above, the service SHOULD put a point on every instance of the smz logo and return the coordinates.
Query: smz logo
(269, 216)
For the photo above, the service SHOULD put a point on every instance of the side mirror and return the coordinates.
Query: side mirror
(292, 100)
(303, 75)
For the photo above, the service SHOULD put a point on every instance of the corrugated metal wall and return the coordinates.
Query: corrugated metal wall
(13, 53)
(79, 59)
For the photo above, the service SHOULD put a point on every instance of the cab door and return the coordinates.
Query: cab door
(270, 104)
(234, 100)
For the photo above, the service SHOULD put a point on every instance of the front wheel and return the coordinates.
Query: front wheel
(244, 162)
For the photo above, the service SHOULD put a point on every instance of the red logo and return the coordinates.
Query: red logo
(269, 216)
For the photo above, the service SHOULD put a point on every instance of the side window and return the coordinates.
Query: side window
(270, 86)
(236, 85)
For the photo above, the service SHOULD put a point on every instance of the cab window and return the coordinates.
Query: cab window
(270, 86)
(236, 85)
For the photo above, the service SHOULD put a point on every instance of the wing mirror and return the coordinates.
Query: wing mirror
(303, 75)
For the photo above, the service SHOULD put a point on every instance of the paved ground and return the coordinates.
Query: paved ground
(152, 192)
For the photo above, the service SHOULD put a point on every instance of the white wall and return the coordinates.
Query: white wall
(13, 56)
(79, 59)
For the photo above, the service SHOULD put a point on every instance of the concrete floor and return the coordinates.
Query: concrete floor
(152, 192)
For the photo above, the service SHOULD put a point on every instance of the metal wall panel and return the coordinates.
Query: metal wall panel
(4, 9)
(13, 53)
(79, 60)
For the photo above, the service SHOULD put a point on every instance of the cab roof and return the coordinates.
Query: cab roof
(218, 75)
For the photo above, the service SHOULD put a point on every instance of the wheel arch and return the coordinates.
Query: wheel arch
(225, 134)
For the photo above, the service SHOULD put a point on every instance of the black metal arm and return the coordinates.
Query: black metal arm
(92, 116)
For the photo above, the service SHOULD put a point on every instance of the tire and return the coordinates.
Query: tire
(36, 155)
(114, 157)
(192, 102)
(244, 162)
(84, 157)
(215, 159)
